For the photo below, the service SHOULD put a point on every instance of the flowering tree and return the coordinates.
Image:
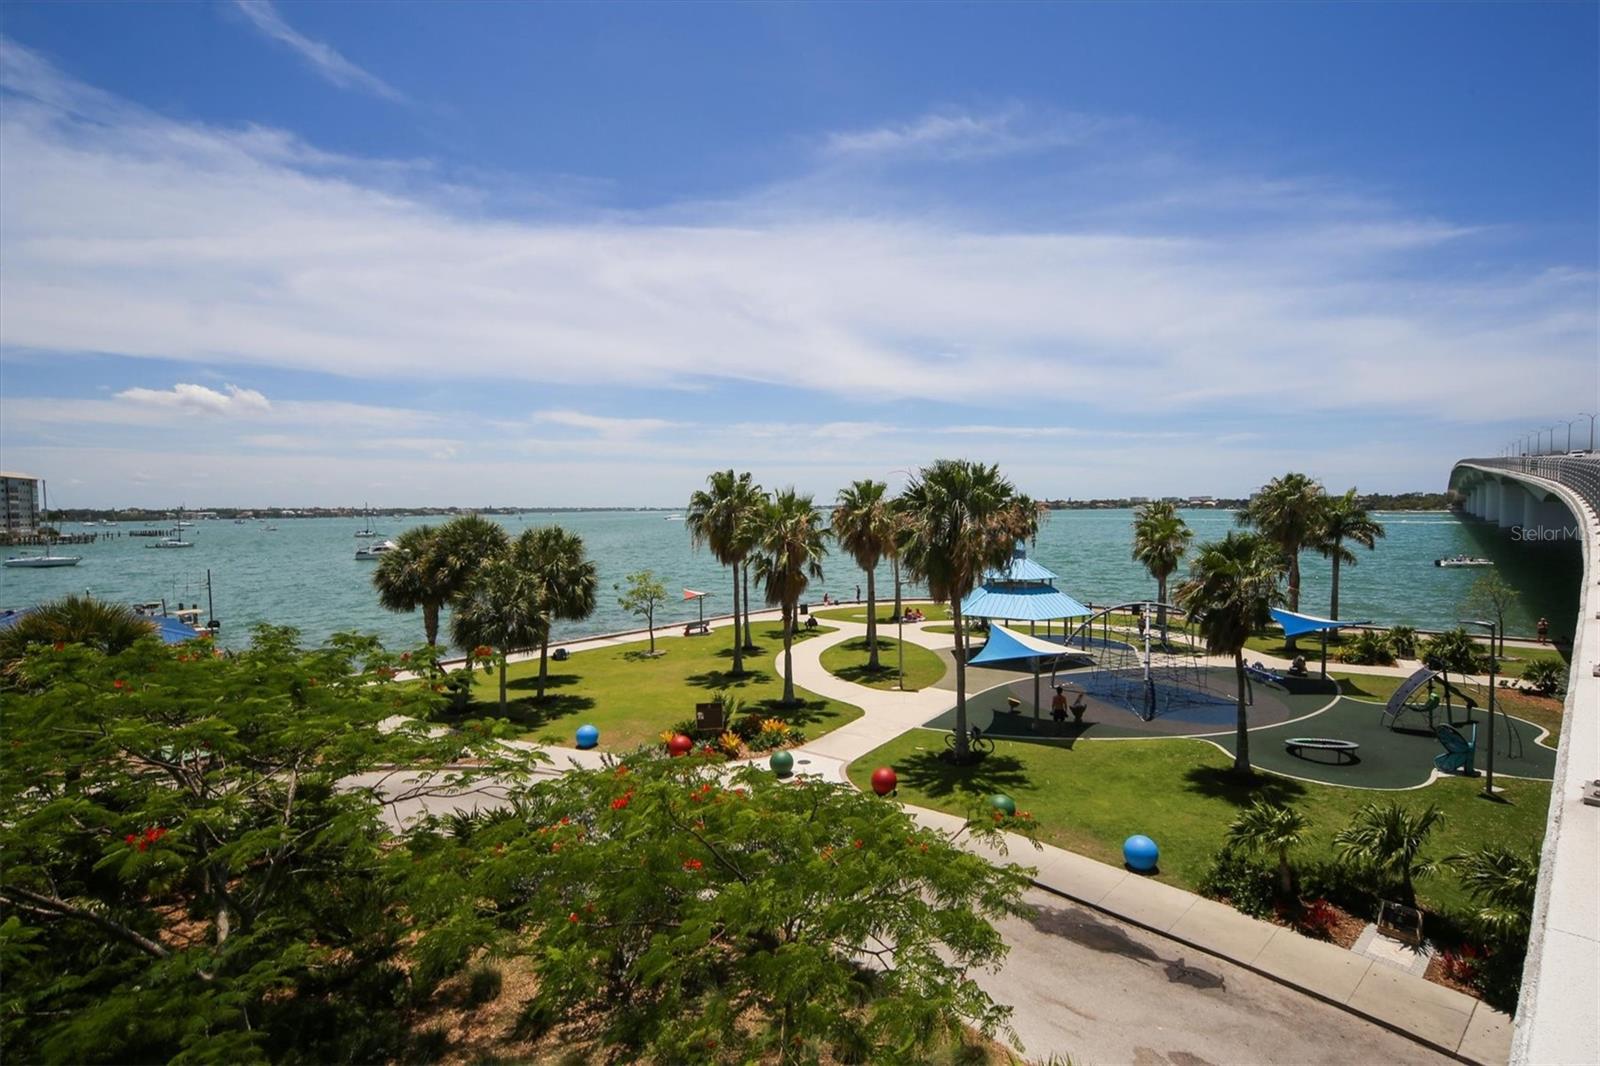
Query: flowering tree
(722, 915)
(195, 850)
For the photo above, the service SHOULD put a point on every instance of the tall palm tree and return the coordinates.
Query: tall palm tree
(1387, 838)
(431, 565)
(1160, 538)
(963, 518)
(899, 533)
(1288, 512)
(107, 627)
(751, 504)
(1273, 829)
(569, 582)
(1232, 585)
(502, 606)
(714, 519)
(788, 558)
(863, 524)
(1344, 520)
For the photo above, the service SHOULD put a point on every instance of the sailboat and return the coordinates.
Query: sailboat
(175, 541)
(40, 562)
(367, 532)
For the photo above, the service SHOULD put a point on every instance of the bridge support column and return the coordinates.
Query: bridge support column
(1491, 501)
(1511, 498)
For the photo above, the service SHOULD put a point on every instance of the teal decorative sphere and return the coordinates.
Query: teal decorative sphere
(782, 763)
(1003, 803)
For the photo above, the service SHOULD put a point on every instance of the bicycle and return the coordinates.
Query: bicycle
(977, 743)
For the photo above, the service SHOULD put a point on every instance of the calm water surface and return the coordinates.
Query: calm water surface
(305, 574)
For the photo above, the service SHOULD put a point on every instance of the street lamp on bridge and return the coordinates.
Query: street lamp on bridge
(1591, 418)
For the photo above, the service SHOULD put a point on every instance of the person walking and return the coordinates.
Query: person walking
(1544, 630)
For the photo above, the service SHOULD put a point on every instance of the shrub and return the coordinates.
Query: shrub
(1545, 675)
(1318, 919)
(483, 985)
(1242, 882)
(1454, 651)
(1368, 647)
(1461, 966)
(1403, 642)
(730, 744)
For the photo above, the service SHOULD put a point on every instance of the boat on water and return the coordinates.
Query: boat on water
(366, 532)
(1463, 560)
(375, 551)
(49, 559)
(176, 540)
(673, 518)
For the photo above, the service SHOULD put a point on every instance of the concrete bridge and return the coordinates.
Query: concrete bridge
(1548, 498)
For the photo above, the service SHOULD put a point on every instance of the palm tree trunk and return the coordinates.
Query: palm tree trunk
(1333, 603)
(749, 638)
(788, 654)
(872, 624)
(1161, 608)
(961, 682)
(1241, 739)
(430, 622)
(544, 664)
(502, 684)
(1294, 594)
(738, 638)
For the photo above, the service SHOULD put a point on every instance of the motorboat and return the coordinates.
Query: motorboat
(1463, 560)
(376, 551)
(49, 559)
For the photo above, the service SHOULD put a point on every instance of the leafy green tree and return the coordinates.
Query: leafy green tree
(789, 557)
(1344, 522)
(1287, 511)
(700, 915)
(863, 524)
(1504, 881)
(963, 518)
(1387, 839)
(502, 610)
(569, 583)
(1270, 828)
(642, 596)
(716, 518)
(1232, 586)
(197, 864)
(1492, 595)
(430, 565)
(108, 627)
(1160, 538)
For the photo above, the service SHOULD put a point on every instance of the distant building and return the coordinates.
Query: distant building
(21, 495)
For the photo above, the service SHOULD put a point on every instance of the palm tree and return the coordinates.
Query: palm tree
(1343, 519)
(751, 504)
(715, 519)
(1268, 827)
(569, 582)
(1287, 511)
(1160, 537)
(963, 518)
(1232, 584)
(110, 628)
(863, 524)
(502, 607)
(789, 557)
(431, 565)
(1387, 839)
(1504, 883)
(899, 533)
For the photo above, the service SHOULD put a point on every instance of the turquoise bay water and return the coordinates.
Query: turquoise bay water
(305, 573)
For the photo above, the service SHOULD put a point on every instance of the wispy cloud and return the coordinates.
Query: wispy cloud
(199, 399)
(324, 58)
(963, 135)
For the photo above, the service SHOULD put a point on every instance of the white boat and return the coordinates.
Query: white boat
(1463, 560)
(376, 551)
(367, 532)
(47, 560)
(176, 540)
(673, 518)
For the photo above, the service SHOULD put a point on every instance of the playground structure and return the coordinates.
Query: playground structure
(1150, 674)
(1420, 695)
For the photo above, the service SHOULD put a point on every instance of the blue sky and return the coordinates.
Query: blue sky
(582, 254)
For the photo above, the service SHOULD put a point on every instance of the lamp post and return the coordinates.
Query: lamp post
(1488, 785)
(900, 618)
(1591, 418)
(1568, 423)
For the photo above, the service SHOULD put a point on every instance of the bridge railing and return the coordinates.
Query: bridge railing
(1580, 474)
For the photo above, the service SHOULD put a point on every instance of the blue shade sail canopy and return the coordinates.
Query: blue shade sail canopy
(1296, 624)
(1007, 645)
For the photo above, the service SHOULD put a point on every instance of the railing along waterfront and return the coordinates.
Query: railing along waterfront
(1581, 474)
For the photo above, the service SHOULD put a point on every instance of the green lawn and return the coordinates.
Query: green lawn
(857, 612)
(632, 697)
(847, 660)
(1091, 796)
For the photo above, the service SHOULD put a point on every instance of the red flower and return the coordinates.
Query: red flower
(858, 844)
(482, 651)
(621, 801)
(60, 645)
(692, 864)
(566, 821)
(129, 839)
(119, 684)
(573, 917)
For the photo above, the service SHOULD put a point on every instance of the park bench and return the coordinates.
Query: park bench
(697, 629)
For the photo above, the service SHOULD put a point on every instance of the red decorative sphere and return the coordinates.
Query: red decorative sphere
(884, 780)
(680, 744)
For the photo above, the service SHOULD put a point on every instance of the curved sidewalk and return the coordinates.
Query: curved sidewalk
(1442, 1018)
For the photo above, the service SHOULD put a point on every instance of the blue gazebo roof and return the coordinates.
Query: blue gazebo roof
(1023, 591)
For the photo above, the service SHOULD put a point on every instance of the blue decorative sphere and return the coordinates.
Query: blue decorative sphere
(588, 736)
(1140, 853)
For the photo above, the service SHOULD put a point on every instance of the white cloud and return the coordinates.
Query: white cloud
(324, 58)
(198, 399)
(604, 425)
(962, 135)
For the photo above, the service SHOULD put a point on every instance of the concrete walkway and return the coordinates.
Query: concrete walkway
(1440, 1017)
